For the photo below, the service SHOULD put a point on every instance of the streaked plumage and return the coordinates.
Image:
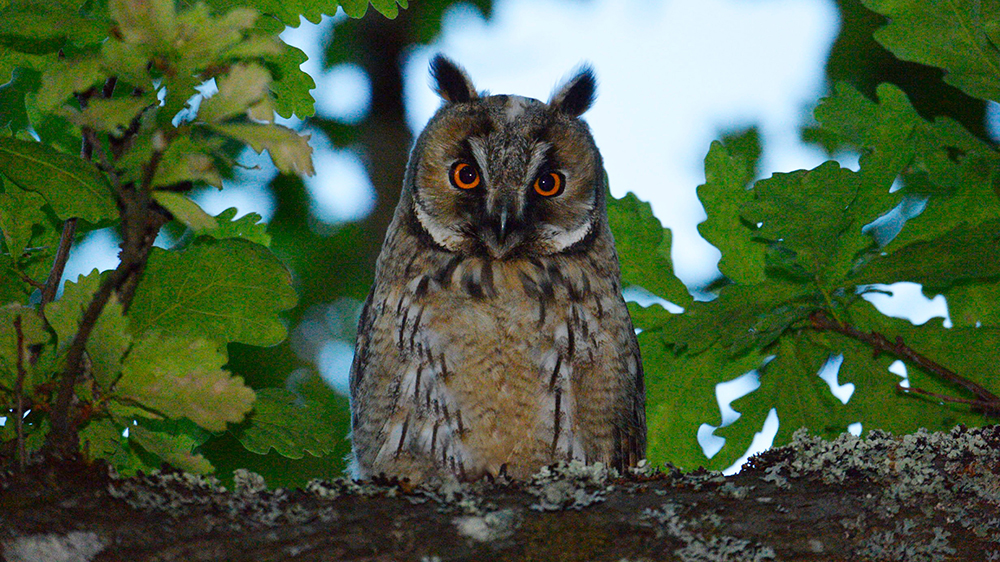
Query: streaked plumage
(495, 336)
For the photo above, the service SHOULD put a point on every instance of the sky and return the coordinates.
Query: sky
(672, 77)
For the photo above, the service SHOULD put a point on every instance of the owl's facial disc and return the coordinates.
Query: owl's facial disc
(508, 177)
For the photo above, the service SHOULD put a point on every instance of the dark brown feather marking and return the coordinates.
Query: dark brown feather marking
(616, 447)
(555, 373)
(402, 327)
(416, 326)
(443, 276)
(409, 264)
(530, 287)
(444, 368)
(471, 286)
(434, 436)
(486, 275)
(557, 421)
(555, 274)
(416, 386)
(545, 286)
(421, 288)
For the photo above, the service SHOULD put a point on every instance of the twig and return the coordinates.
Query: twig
(19, 395)
(59, 262)
(985, 401)
(981, 405)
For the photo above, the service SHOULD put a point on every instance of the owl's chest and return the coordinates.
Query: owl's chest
(494, 358)
(496, 312)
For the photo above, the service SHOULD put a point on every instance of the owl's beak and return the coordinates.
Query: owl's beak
(503, 225)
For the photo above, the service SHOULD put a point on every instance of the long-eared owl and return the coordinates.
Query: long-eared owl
(495, 338)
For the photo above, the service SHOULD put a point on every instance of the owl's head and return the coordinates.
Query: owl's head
(506, 176)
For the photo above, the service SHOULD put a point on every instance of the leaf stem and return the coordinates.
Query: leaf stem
(19, 395)
(986, 401)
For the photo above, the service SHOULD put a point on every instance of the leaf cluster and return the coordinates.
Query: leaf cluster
(801, 250)
(110, 113)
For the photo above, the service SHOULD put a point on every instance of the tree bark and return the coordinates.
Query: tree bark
(917, 497)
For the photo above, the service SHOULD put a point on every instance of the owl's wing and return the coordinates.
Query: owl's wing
(403, 420)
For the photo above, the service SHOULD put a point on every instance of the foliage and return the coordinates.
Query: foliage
(110, 113)
(800, 251)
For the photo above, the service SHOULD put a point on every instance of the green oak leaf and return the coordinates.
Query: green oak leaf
(177, 450)
(185, 210)
(248, 227)
(974, 304)
(109, 339)
(32, 332)
(790, 384)
(743, 317)
(242, 87)
(21, 216)
(809, 212)
(13, 287)
(290, 85)
(71, 185)
(65, 78)
(876, 402)
(189, 160)
(723, 194)
(181, 377)
(681, 397)
(643, 247)
(938, 159)
(959, 37)
(882, 130)
(223, 290)
(103, 439)
(110, 115)
(289, 150)
(38, 27)
(64, 314)
(290, 424)
(967, 252)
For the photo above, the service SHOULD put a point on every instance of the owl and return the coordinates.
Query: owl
(495, 339)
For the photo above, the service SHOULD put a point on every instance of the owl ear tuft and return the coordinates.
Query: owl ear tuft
(577, 94)
(453, 84)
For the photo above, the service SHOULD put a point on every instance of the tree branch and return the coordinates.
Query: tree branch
(986, 401)
(59, 262)
(140, 224)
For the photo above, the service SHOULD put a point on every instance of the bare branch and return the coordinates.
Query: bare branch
(985, 401)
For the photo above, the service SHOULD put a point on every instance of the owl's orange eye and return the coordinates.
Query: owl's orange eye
(549, 184)
(464, 175)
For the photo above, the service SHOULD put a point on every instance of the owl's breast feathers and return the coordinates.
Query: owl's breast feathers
(467, 365)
